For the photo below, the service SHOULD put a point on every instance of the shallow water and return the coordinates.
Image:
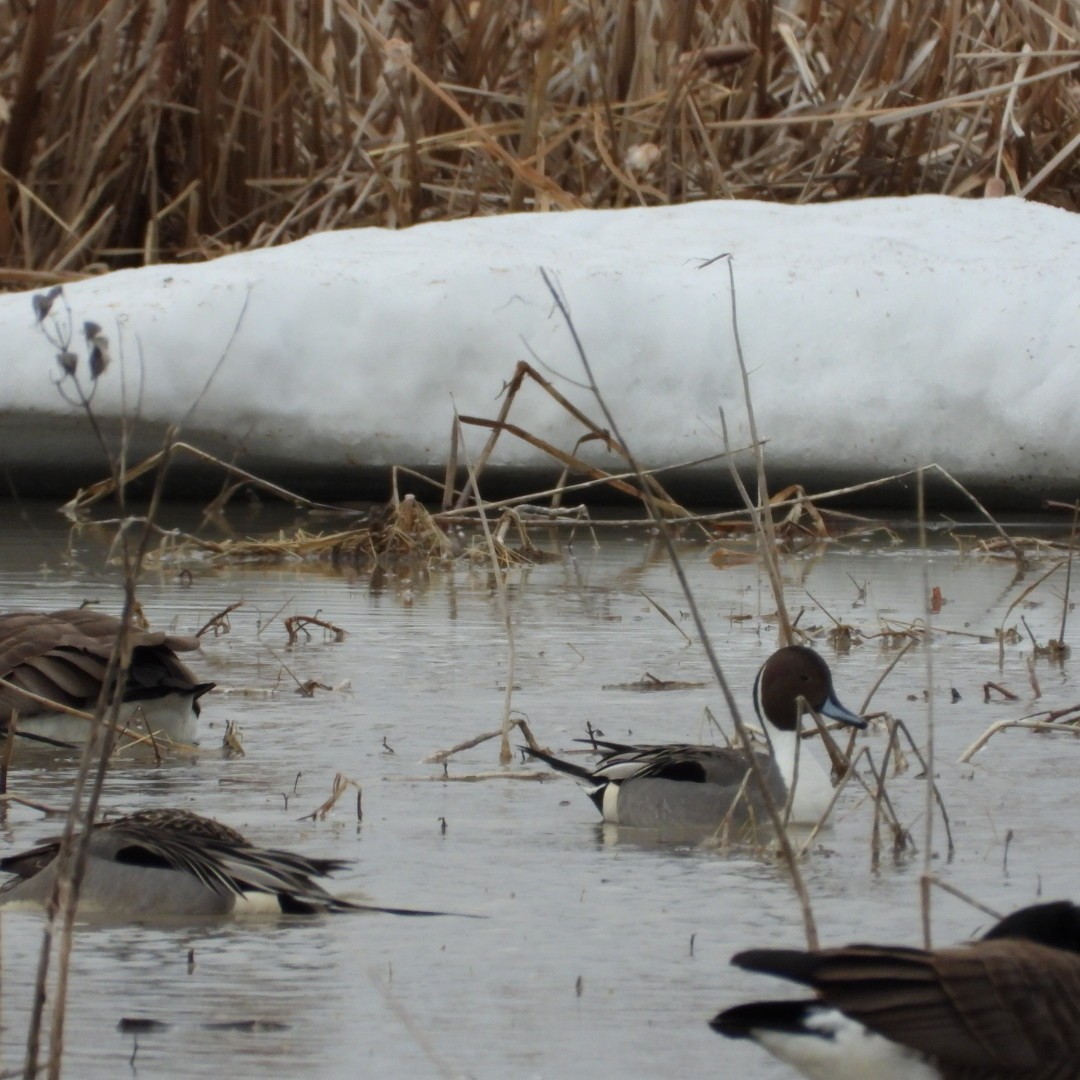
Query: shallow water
(599, 954)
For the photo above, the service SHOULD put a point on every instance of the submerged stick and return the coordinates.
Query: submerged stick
(1004, 725)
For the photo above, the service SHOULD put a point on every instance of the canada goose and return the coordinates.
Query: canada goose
(62, 656)
(690, 786)
(1006, 1007)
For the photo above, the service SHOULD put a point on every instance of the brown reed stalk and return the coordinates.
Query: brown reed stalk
(133, 542)
(784, 844)
(140, 131)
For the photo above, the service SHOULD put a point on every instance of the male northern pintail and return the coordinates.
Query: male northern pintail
(694, 787)
(173, 863)
(1006, 1007)
(61, 656)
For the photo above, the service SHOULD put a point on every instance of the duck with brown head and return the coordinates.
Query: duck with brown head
(699, 787)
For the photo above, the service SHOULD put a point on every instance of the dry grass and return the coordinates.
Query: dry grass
(136, 131)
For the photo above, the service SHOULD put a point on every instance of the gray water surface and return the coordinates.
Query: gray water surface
(599, 954)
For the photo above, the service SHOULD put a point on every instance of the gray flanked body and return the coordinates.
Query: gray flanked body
(161, 864)
(694, 787)
(701, 787)
(168, 863)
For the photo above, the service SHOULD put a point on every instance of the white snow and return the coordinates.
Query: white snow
(880, 334)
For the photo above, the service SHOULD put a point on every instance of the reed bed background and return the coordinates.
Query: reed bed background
(137, 131)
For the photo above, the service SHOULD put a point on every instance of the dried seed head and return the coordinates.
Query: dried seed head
(994, 188)
(68, 362)
(532, 33)
(43, 302)
(99, 349)
(721, 56)
(714, 58)
(99, 361)
(642, 157)
(397, 56)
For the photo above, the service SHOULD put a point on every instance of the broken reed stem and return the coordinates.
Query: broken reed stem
(114, 485)
(1004, 725)
(441, 756)
(913, 747)
(850, 774)
(418, 1030)
(1018, 555)
(952, 890)
(666, 539)
(71, 856)
(65, 897)
(761, 512)
(884, 675)
(1020, 599)
(464, 510)
(879, 794)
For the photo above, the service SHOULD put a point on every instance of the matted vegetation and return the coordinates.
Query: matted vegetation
(136, 131)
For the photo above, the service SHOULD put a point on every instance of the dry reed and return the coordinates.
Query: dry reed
(135, 132)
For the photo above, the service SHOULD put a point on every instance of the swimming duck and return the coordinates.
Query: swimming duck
(693, 787)
(174, 863)
(62, 656)
(1006, 1007)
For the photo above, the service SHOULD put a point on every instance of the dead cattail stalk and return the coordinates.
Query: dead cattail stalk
(121, 110)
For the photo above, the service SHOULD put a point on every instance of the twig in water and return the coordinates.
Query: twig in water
(341, 784)
(1003, 725)
(1019, 599)
(667, 616)
(442, 756)
(931, 787)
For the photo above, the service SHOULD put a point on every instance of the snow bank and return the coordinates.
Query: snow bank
(880, 334)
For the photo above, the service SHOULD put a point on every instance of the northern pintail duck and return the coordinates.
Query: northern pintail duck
(62, 656)
(695, 787)
(173, 863)
(1006, 1007)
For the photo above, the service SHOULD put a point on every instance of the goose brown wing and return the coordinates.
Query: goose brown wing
(63, 655)
(996, 1007)
(90, 624)
(63, 675)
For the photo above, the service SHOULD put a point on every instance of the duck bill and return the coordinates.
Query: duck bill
(835, 711)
